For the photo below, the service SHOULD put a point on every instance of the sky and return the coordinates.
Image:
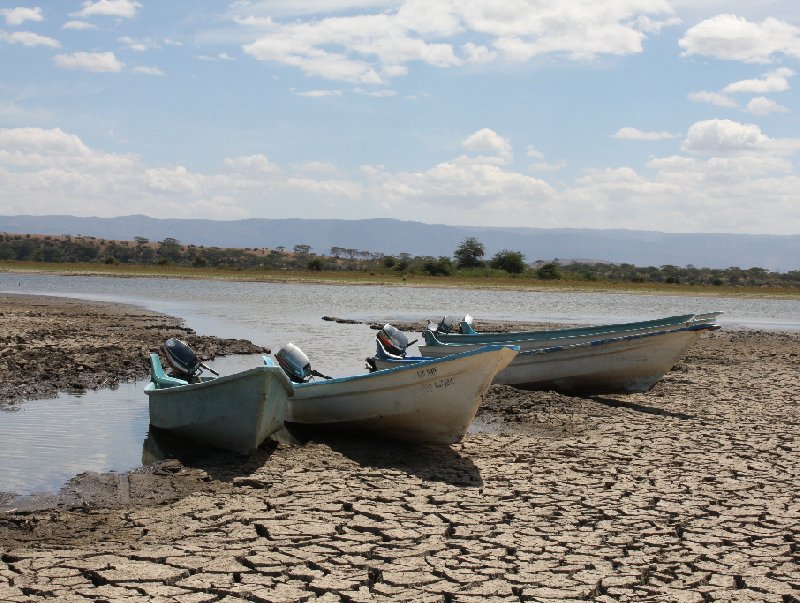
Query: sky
(664, 115)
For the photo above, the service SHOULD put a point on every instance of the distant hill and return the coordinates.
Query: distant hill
(641, 248)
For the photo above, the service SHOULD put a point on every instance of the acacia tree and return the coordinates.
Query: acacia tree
(469, 253)
(510, 261)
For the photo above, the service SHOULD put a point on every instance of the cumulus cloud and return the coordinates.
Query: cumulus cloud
(723, 137)
(20, 14)
(486, 140)
(544, 166)
(109, 8)
(28, 38)
(372, 48)
(762, 105)
(736, 178)
(774, 81)
(713, 98)
(319, 93)
(139, 45)
(148, 70)
(628, 133)
(99, 62)
(252, 163)
(735, 38)
(78, 25)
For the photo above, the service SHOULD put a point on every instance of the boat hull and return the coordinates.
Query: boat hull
(530, 340)
(626, 364)
(430, 401)
(234, 412)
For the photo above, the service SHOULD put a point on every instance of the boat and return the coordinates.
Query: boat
(441, 333)
(234, 412)
(619, 364)
(433, 400)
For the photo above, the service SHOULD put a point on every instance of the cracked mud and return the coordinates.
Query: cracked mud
(686, 493)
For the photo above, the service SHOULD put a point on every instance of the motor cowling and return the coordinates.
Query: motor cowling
(181, 357)
(448, 324)
(393, 340)
(294, 363)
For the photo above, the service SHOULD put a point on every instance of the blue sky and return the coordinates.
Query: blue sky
(668, 115)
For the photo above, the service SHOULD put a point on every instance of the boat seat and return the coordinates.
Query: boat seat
(159, 377)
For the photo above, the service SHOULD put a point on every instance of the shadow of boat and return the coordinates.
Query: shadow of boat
(222, 465)
(429, 462)
(642, 408)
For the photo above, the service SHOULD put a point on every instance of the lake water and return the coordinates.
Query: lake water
(43, 443)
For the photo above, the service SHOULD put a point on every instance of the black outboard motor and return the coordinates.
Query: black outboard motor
(296, 364)
(448, 324)
(185, 363)
(393, 340)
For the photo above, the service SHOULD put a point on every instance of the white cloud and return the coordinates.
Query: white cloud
(373, 48)
(99, 62)
(319, 93)
(543, 166)
(78, 25)
(774, 81)
(109, 8)
(713, 98)
(533, 152)
(20, 14)
(28, 38)
(723, 137)
(488, 140)
(762, 105)
(385, 93)
(636, 134)
(477, 53)
(745, 182)
(735, 38)
(140, 45)
(148, 70)
(252, 163)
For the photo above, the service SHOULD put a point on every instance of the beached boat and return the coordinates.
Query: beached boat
(622, 364)
(234, 412)
(440, 334)
(433, 400)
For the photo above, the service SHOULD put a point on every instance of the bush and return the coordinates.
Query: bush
(510, 261)
(549, 272)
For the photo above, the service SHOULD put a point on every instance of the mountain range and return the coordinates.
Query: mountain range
(641, 248)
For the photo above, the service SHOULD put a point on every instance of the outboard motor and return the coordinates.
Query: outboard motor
(393, 340)
(296, 364)
(185, 363)
(446, 324)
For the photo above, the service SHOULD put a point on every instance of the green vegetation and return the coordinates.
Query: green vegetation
(507, 269)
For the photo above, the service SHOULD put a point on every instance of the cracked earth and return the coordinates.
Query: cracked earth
(686, 493)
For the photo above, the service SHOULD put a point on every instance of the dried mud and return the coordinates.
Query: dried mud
(686, 493)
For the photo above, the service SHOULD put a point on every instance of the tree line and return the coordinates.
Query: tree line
(468, 259)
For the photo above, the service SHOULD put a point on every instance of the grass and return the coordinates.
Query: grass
(520, 283)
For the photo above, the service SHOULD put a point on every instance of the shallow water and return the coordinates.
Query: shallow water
(43, 443)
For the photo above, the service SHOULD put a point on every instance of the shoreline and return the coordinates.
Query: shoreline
(686, 493)
(437, 283)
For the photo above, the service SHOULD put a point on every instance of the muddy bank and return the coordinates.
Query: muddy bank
(686, 493)
(54, 344)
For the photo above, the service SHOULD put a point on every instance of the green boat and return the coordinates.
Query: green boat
(442, 334)
(233, 412)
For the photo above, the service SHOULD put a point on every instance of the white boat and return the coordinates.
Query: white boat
(234, 412)
(529, 340)
(433, 400)
(622, 364)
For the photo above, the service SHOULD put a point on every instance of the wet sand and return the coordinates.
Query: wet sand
(686, 493)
